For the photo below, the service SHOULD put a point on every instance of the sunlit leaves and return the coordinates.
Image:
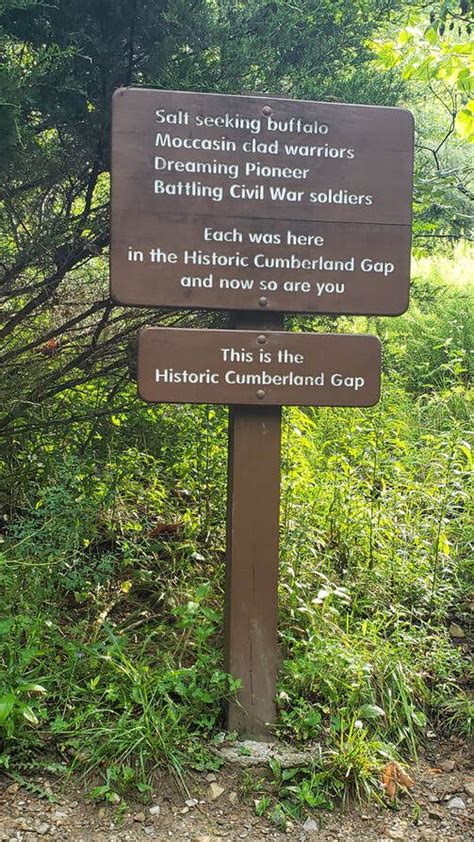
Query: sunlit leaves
(465, 121)
(421, 53)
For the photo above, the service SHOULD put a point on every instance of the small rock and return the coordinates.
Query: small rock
(395, 833)
(434, 799)
(139, 817)
(191, 802)
(233, 797)
(42, 828)
(456, 804)
(427, 835)
(149, 830)
(256, 753)
(435, 813)
(215, 791)
(456, 631)
(469, 788)
(310, 826)
(155, 811)
(101, 813)
(203, 839)
(12, 789)
(447, 765)
(184, 810)
(211, 777)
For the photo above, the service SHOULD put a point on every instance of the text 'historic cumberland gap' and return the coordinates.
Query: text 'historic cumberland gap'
(248, 367)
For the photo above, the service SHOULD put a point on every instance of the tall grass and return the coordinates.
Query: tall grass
(116, 661)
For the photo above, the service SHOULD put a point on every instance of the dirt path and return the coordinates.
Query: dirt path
(438, 809)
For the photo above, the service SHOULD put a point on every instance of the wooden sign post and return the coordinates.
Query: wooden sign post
(261, 207)
(253, 540)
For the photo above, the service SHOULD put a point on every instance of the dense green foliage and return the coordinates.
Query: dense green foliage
(111, 641)
(113, 516)
(434, 52)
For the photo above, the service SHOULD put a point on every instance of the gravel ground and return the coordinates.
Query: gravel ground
(438, 809)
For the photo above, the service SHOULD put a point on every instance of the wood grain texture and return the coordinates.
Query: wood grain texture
(251, 597)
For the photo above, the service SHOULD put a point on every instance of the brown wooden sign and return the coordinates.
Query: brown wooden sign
(261, 368)
(243, 202)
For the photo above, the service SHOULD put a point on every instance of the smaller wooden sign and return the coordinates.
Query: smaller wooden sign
(248, 367)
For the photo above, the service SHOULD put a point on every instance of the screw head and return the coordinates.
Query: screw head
(260, 394)
(267, 110)
(263, 301)
(261, 339)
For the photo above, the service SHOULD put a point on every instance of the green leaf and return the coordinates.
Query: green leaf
(29, 714)
(6, 625)
(371, 712)
(7, 704)
(465, 122)
(99, 792)
(431, 35)
(262, 805)
(34, 688)
(288, 774)
(419, 718)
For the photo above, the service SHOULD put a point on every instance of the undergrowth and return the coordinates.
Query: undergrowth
(112, 579)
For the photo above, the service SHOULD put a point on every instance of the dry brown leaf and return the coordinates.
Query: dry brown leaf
(165, 530)
(50, 347)
(404, 779)
(394, 776)
(388, 780)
